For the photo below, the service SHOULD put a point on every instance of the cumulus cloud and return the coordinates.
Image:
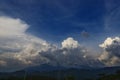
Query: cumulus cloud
(70, 54)
(8, 27)
(111, 51)
(17, 46)
(19, 49)
(70, 43)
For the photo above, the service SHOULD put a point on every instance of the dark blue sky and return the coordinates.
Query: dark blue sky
(54, 20)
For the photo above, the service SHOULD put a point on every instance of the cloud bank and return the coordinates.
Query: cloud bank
(8, 27)
(111, 51)
(70, 43)
(71, 54)
(19, 49)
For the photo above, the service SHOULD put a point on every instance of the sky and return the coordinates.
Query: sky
(59, 32)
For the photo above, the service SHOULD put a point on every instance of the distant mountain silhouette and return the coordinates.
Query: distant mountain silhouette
(43, 68)
(82, 73)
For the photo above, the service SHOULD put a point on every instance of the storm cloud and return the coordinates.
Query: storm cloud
(17, 47)
(111, 51)
(20, 49)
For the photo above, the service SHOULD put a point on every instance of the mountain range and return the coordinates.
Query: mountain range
(58, 73)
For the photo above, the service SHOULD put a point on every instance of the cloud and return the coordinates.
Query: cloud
(70, 43)
(71, 54)
(2, 63)
(18, 48)
(85, 34)
(8, 27)
(111, 51)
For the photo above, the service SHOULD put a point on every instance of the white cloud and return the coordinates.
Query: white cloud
(19, 49)
(111, 54)
(8, 27)
(71, 54)
(17, 46)
(109, 41)
(70, 43)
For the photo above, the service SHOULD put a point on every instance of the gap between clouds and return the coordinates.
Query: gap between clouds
(19, 49)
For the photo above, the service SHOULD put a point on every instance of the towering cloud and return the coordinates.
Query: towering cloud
(111, 54)
(71, 54)
(18, 48)
(70, 43)
(8, 27)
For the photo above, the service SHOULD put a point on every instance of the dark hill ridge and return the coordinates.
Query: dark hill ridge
(43, 68)
(60, 72)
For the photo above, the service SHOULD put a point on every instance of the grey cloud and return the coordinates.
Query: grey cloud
(85, 34)
(19, 49)
(111, 54)
(71, 57)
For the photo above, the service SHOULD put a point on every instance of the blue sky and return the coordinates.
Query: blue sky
(29, 28)
(58, 19)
